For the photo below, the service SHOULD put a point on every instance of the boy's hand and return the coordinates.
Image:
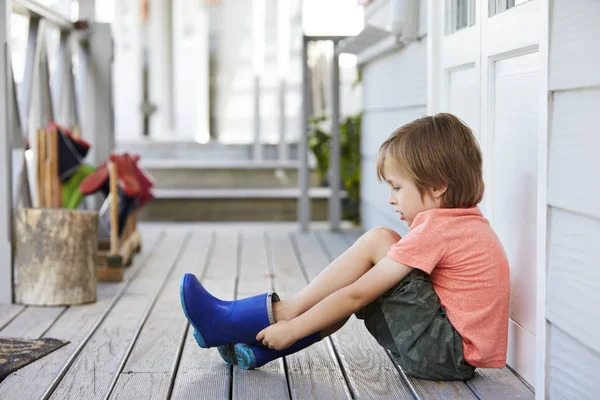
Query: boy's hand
(277, 336)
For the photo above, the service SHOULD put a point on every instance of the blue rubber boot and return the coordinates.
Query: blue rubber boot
(217, 322)
(255, 356)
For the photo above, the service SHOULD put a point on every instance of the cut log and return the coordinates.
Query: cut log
(56, 252)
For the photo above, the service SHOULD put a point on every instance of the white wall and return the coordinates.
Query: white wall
(573, 283)
(127, 71)
(190, 70)
(231, 27)
(394, 93)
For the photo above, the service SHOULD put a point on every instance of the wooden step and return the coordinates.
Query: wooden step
(186, 174)
(233, 205)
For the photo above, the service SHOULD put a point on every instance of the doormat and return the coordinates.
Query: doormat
(17, 353)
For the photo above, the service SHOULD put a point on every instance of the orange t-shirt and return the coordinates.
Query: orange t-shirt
(459, 249)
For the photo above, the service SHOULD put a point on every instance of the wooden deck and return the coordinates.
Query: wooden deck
(135, 343)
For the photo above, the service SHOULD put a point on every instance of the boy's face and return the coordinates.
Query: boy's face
(405, 196)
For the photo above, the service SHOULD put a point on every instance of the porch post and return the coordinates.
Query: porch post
(334, 156)
(258, 60)
(303, 176)
(96, 111)
(6, 264)
(283, 60)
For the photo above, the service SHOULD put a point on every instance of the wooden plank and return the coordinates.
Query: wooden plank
(153, 360)
(573, 372)
(573, 291)
(76, 325)
(313, 372)
(33, 322)
(254, 278)
(91, 375)
(499, 384)
(8, 312)
(574, 31)
(335, 245)
(202, 374)
(368, 368)
(574, 135)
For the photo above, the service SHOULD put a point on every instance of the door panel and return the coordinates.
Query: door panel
(488, 76)
(463, 98)
(515, 104)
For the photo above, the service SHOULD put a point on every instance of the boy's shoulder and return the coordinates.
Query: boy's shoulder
(443, 218)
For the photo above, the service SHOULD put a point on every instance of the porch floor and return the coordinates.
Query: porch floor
(135, 343)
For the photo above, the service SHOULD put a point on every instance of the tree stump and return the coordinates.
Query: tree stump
(55, 256)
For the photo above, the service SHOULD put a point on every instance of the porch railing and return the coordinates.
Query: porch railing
(35, 103)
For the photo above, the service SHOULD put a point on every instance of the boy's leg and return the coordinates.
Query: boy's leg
(343, 271)
(409, 321)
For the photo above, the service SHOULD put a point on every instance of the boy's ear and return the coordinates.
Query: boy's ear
(439, 190)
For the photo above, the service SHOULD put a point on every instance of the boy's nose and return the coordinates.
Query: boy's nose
(391, 199)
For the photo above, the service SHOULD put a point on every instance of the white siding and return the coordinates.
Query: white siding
(396, 81)
(394, 93)
(573, 281)
(573, 151)
(574, 277)
(573, 368)
(377, 14)
(574, 44)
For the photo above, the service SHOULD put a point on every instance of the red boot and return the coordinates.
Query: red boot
(98, 181)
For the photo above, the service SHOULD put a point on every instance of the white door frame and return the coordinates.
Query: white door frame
(542, 366)
(436, 86)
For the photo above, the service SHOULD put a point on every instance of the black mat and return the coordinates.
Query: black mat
(17, 353)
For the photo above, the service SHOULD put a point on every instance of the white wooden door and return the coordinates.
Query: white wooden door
(488, 75)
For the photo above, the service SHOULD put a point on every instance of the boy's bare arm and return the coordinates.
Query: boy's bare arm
(337, 306)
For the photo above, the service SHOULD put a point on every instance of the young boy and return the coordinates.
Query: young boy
(437, 298)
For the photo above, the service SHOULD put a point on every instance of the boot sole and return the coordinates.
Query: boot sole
(197, 335)
(227, 353)
(245, 356)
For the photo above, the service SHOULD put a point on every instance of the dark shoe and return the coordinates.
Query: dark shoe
(255, 356)
(219, 322)
(71, 151)
(126, 206)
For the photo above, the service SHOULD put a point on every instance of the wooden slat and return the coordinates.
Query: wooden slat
(499, 384)
(150, 367)
(573, 367)
(75, 325)
(574, 31)
(336, 245)
(92, 373)
(369, 369)
(202, 374)
(8, 312)
(572, 161)
(270, 380)
(313, 372)
(32, 323)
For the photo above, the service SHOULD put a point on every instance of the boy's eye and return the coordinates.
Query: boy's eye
(395, 188)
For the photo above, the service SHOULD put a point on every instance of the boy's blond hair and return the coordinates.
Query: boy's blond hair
(434, 151)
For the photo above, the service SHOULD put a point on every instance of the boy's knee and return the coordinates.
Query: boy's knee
(382, 236)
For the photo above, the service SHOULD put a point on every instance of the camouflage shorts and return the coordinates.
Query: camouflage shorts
(409, 321)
